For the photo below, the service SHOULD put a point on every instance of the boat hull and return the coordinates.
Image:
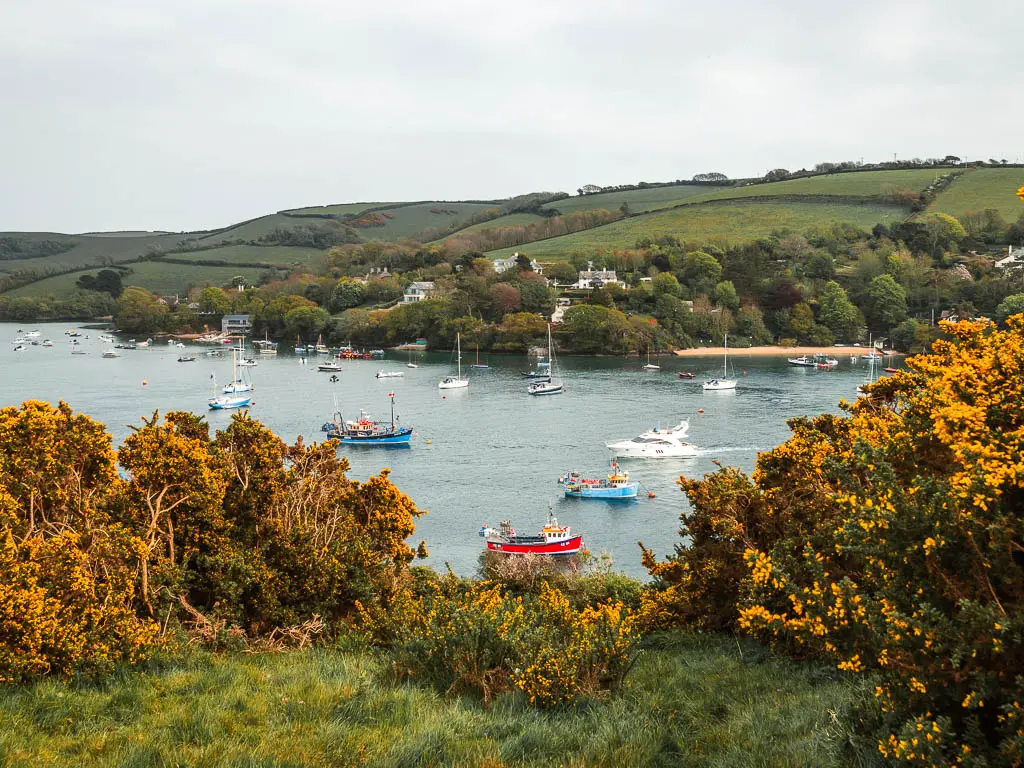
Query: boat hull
(570, 546)
(718, 385)
(224, 404)
(400, 437)
(627, 491)
(546, 388)
(457, 384)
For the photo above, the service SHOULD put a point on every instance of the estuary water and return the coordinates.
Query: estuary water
(479, 455)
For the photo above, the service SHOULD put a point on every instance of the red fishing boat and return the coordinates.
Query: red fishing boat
(552, 539)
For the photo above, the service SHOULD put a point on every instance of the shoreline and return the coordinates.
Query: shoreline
(838, 352)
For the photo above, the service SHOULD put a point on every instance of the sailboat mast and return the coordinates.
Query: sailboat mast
(725, 360)
(458, 352)
(392, 411)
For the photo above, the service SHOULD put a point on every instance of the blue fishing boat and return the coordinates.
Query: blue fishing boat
(615, 485)
(366, 431)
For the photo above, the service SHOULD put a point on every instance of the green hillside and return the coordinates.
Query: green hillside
(158, 277)
(509, 220)
(410, 221)
(852, 184)
(638, 199)
(981, 188)
(91, 249)
(339, 209)
(721, 223)
(278, 255)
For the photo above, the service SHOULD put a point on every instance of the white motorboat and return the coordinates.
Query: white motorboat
(331, 366)
(389, 374)
(47, 343)
(656, 443)
(20, 348)
(111, 353)
(33, 335)
(724, 381)
(247, 363)
(456, 381)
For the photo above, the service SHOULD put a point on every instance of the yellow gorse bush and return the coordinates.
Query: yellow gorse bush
(468, 636)
(890, 540)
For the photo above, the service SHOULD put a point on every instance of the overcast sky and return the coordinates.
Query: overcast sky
(189, 114)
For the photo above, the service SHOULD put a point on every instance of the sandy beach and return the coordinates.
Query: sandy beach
(774, 351)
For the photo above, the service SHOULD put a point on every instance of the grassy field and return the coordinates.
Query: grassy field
(339, 209)
(90, 249)
(408, 221)
(638, 199)
(158, 277)
(279, 255)
(859, 184)
(502, 221)
(981, 188)
(719, 223)
(707, 701)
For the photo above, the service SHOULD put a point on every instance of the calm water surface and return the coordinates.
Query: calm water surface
(494, 452)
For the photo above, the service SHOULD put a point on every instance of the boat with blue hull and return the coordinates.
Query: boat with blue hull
(367, 431)
(614, 486)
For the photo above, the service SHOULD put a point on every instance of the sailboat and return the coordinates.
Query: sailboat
(478, 364)
(321, 348)
(721, 382)
(225, 402)
(862, 388)
(650, 366)
(455, 382)
(240, 381)
(266, 346)
(551, 386)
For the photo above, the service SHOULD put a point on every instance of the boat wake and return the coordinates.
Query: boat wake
(702, 452)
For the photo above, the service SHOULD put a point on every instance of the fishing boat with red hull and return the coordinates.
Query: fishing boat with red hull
(553, 539)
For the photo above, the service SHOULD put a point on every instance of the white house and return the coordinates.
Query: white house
(1014, 259)
(417, 292)
(591, 278)
(504, 265)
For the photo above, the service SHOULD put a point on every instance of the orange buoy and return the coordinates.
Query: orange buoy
(144, 382)
(650, 495)
(700, 410)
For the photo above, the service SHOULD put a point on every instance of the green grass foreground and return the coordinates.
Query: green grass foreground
(693, 700)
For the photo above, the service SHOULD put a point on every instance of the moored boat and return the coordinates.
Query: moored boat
(724, 381)
(552, 540)
(389, 374)
(455, 382)
(615, 485)
(329, 367)
(367, 431)
(551, 385)
(686, 375)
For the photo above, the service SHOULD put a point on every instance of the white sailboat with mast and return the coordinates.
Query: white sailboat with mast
(455, 382)
(552, 386)
(724, 381)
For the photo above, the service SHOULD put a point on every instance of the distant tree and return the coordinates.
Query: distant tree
(801, 321)
(109, 281)
(725, 296)
(665, 283)
(750, 323)
(701, 272)
(837, 312)
(710, 178)
(305, 322)
(562, 272)
(214, 301)
(1011, 305)
(523, 263)
(537, 298)
(138, 311)
(504, 298)
(886, 305)
(588, 189)
(779, 174)
(347, 294)
(624, 208)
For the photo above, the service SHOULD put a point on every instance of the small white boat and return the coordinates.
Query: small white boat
(656, 443)
(650, 366)
(247, 363)
(47, 343)
(179, 345)
(33, 335)
(722, 382)
(330, 366)
(141, 344)
(455, 382)
(20, 340)
(20, 348)
(389, 374)
(105, 339)
(110, 353)
(411, 365)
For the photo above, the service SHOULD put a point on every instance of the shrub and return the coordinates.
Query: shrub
(891, 541)
(477, 637)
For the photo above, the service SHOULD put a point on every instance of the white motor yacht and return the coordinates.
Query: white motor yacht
(656, 443)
